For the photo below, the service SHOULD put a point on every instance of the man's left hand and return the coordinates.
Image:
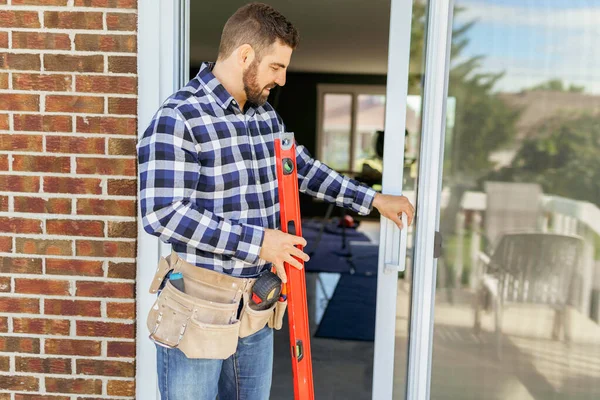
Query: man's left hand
(392, 207)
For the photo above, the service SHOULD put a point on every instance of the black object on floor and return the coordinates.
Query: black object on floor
(350, 314)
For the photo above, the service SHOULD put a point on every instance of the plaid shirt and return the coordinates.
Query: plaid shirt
(208, 183)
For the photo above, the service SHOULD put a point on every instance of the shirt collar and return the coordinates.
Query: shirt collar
(216, 89)
(212, 85)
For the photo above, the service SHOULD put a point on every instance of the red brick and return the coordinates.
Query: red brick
(120, 310)
(20, 383)
(19, 19)
(81, 386)
(4, 40)
(43, 123)
(126, 208)
(20, 225)
(112, 43)
(51, 83)
(24, 396)
(21, 142)
(108, 125)
(121, 270)
(65, 62)
(5, 284)
(40, 205)
(5, 366)
(41, 326)
(40, 246)
(19, 102)
(105, 289)
(3, 203)
(41, 40)
(105, 329)
(106, 84)
(121, 388)
(122, 187)
(41, 164)
(72, 347)
(42, 286)
(106, 166)
(3, 117)
(106, 368)
(121, 349)
(107, 3)
(17, 344)
(122, 105)
(73, 20)
(5, 244)
(122, 64)
(23, 62)
(3, 324)
(43, 365)
(14, 265)
(75, 228)
(73, 267)
(20, 184)
(121, 21)
(3, 162)
(126, 147)
(75, 104)
(54, 184)
(72, 307)
(122, 229)
(105, 248)
(75, 145)
(40, 2)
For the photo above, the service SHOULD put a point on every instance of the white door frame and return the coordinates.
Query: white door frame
(163, 67)
(439, 29)
(393, 168)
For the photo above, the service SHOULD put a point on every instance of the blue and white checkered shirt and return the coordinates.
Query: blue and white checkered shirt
(208, 183)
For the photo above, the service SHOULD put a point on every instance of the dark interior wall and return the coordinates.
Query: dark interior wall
(296, 103)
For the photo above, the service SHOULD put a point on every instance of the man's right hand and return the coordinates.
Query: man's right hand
(279, 247)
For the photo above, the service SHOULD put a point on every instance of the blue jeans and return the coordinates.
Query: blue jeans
(246, 375)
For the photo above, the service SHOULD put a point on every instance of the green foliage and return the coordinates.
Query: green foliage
(556, 85)
(483, 122)
(562, 157)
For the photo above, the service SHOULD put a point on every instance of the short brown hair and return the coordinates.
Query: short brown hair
(258, 25)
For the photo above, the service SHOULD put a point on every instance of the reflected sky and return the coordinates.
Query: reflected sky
(535, 41)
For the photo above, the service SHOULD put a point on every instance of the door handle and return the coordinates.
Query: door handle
(395, 246)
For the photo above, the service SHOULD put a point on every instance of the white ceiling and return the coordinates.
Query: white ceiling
(338, 36)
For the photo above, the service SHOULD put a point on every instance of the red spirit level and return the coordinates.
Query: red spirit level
(289, 203)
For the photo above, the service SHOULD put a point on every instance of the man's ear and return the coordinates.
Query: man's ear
(245, 55)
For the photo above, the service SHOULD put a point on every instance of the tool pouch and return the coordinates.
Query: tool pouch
(251, 320)
(276, 320)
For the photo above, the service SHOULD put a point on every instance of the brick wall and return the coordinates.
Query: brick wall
(68, 88)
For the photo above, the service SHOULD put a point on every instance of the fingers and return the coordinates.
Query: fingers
(397, 220)
(293, 262)
(297, 240)
(279, 268)
(296, 252)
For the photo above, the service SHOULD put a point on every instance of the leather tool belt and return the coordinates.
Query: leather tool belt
(203, 321)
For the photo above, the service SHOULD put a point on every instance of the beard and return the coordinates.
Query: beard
(254, 93)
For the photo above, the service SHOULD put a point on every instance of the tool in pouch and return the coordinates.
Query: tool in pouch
(295, 289)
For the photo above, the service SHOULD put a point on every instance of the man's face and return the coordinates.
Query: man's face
(263, 75)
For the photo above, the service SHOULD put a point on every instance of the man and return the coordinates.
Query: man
(208, 187)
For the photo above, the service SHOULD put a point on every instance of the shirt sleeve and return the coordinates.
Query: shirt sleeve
(169, 172)
(320, 181)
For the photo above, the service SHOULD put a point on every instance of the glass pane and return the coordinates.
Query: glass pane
(337, 126)
(370, 116)
(517, 299)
